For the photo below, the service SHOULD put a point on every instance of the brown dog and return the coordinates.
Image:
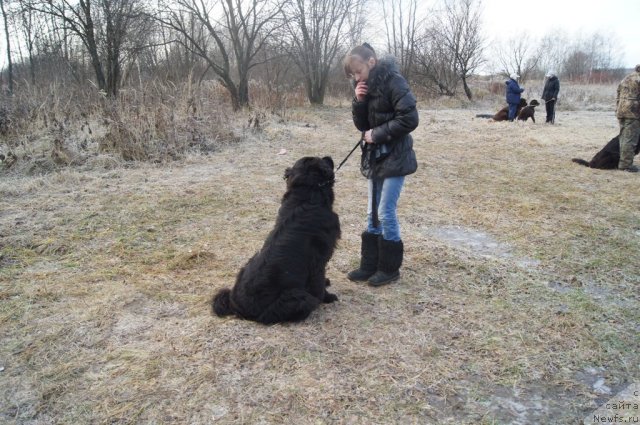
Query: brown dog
(503, 114)
(528, 111)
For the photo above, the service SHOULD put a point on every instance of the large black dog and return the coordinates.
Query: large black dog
(608, 157)
(285, 281)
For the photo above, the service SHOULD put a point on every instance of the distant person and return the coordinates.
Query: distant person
(550, 95)
(628, 114)
(513, 95)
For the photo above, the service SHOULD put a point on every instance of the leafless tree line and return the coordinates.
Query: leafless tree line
(115, 43)
(593, 57)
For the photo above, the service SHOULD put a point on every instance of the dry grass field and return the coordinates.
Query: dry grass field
(518, 301)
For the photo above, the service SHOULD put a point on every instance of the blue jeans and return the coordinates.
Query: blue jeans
(513, 107)
(387, 194)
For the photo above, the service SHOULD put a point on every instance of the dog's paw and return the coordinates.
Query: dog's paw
(329, 298)
(327, 282)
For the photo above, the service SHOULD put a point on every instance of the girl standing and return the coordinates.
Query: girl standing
(384, 109)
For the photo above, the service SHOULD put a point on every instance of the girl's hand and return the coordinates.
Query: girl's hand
(361, 90)
(367, 137)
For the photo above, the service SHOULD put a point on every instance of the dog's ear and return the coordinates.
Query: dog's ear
(287, 173)
(329, 161)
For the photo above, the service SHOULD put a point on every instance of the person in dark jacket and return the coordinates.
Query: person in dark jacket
(628, 114)
(513, 95)
(550, 95)
(384, 110)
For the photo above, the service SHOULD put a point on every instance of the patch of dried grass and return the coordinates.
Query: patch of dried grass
(116, 327)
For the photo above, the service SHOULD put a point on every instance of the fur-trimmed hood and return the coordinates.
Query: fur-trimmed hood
(385, 68)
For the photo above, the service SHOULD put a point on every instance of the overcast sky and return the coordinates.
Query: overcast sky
(538, 17)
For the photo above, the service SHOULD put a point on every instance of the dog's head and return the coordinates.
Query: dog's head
(310, 172)
(534, 103)
(523, 102)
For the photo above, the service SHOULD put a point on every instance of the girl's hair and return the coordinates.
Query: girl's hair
(362, 53)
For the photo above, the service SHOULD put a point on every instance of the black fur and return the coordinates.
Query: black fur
(608, 157)
(528, 111)
(285, 281)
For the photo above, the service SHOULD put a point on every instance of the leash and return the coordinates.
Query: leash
(374, 193)
(352, 150)
(374, 207)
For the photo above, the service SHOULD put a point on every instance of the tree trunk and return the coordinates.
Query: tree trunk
(233, 92)
(97, 66)
(92, 46)
(113, 77)
(467, 90)
(243, 92)
(315, 92)
(6, 32)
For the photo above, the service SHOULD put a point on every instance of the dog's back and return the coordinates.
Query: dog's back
(285, 280)
(608, 157)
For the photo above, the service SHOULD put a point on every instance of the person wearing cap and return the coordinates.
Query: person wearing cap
(550, 95)
(628, 114)
(513, 95)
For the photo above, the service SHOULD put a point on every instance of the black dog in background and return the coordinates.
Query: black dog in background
(285, 281)
(528, 111)
(608, 157)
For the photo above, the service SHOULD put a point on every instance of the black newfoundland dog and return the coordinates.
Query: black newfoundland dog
(608, 157)
(285, 281)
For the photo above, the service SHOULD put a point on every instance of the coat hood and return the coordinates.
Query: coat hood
(385, 67)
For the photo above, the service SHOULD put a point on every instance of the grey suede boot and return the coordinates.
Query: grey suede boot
(389, 261)
(368, 258)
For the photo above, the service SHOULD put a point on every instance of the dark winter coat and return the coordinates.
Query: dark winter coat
(513, 91)
(389, 110)
(551, 88)
(628, 97)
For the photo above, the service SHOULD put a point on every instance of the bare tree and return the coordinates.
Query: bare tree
(459, 26)
(30, 30)
(79, 19)
(401, 28)
(4, 9)
(435, 64)
(520, 55)
(122, 19)
(316, 29)
(356, 23)
(102, 25)
(554, 47)
(235, 33)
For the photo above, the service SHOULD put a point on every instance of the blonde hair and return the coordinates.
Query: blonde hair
(361, 53)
